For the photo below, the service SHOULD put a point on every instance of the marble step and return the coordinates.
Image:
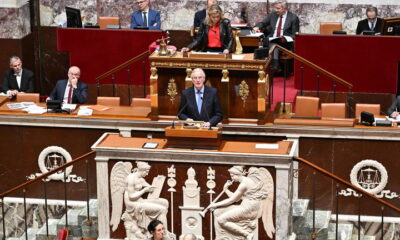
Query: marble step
(355, 237)
(345, 231)
(41, 234)
(75, 229)
(304, 229)
(31, 234)
(89, 229)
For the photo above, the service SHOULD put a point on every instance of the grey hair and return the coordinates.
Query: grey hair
(281, 2)
(372, 9)
(13, 59)
(191, 235)
(199, 70)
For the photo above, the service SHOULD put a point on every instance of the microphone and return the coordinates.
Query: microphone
(205, 109)
(180, 111)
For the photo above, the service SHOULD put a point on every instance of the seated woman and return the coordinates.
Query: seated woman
(215, 33)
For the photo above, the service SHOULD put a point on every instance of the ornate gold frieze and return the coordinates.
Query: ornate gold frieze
(244, 92)
(172, 90)
(230, 66)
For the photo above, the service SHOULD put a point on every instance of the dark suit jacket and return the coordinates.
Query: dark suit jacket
(211, 106)
(291, 27)
(27, 81)
(226, 36)
(364, 26)
(153, 17)
(199, 17)
(79, 94)
(395, 106)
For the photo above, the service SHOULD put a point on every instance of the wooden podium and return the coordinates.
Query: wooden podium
(242, 84)
(201, 138)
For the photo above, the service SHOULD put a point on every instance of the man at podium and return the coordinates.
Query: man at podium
(200, 102)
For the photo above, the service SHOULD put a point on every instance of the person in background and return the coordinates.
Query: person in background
(145, 17)
(371, 23)
(279, 27)
(215, 33)
(156, 229)
(17, 79)
(200, 102)
(200, 16)
(70, 90)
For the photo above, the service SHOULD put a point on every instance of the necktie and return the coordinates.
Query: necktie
(278, 32)
(70, 94)
(144, 19)
(199, 101)
(372, 26)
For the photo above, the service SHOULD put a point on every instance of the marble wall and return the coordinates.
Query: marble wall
(178, 14)
(14, 21)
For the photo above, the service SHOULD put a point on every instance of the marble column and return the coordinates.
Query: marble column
(283, 203)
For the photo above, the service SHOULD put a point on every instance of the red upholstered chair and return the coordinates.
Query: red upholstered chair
(141, 102)
(108, 101)
(28, 97)
(307, 106)
(371, 108)
(329, 27)
(333, 110)
(103, 22)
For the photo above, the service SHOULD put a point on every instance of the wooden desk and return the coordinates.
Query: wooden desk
(316, 122)
(249, 41)
(242, 85)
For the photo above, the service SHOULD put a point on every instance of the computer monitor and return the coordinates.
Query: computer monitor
(74, 19)
(391, 26)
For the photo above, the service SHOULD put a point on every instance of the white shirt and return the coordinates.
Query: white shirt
(147, 16)
(283, 24)
(18, 77)
(372, 24)
(65, 99)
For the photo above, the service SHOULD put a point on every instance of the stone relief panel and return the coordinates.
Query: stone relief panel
(15, 22)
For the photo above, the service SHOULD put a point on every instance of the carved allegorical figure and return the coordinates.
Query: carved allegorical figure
(256, 193)
(130, 186)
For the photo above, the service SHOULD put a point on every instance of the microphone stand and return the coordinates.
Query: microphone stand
(180, 111)
(208, 116)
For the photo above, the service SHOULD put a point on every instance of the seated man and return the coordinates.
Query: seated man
(200, 102)
(280, 27)
(371, 23)
(200, 16)
(145, 17)
(70, 90)
(215, 33)
(393, 110)
(16, 79)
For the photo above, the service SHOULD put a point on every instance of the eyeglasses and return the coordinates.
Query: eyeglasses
(140, 2)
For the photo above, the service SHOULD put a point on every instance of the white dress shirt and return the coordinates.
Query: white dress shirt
(283, 24)
(65, 99)
(18, 76)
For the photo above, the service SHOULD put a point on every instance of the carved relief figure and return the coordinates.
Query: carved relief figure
(130, 185)
(256, 193)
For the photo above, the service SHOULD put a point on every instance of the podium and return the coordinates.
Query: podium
(188, 138)
(242, 84)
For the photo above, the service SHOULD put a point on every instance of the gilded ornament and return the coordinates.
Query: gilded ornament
(172, 91)
(244, 92)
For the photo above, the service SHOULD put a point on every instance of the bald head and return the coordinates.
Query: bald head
(74, 73)
(189, 236)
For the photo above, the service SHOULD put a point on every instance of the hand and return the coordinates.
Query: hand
(212, 207)
(227, 184)
(189, 119)
(256, 29)
(12, 92)
(394, 114)
(185, 49)
(226, 51)
(206, 124)
(74, 82)
(149, 189)
(48, 98)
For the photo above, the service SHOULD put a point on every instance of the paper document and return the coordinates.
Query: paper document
(288, 39)
(85, 111)
(237, 57)
(397, 119)
(69, 106)
(267, 146)
(158, 183)
(255, 34)
(34, 109)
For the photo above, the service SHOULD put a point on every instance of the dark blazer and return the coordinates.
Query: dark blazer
(226, 36)
(199, 17)
(211, 106)
(79, 94)
(153, 17)
(364, 26)
(27, 81)
(395, 106)
(291, 27)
